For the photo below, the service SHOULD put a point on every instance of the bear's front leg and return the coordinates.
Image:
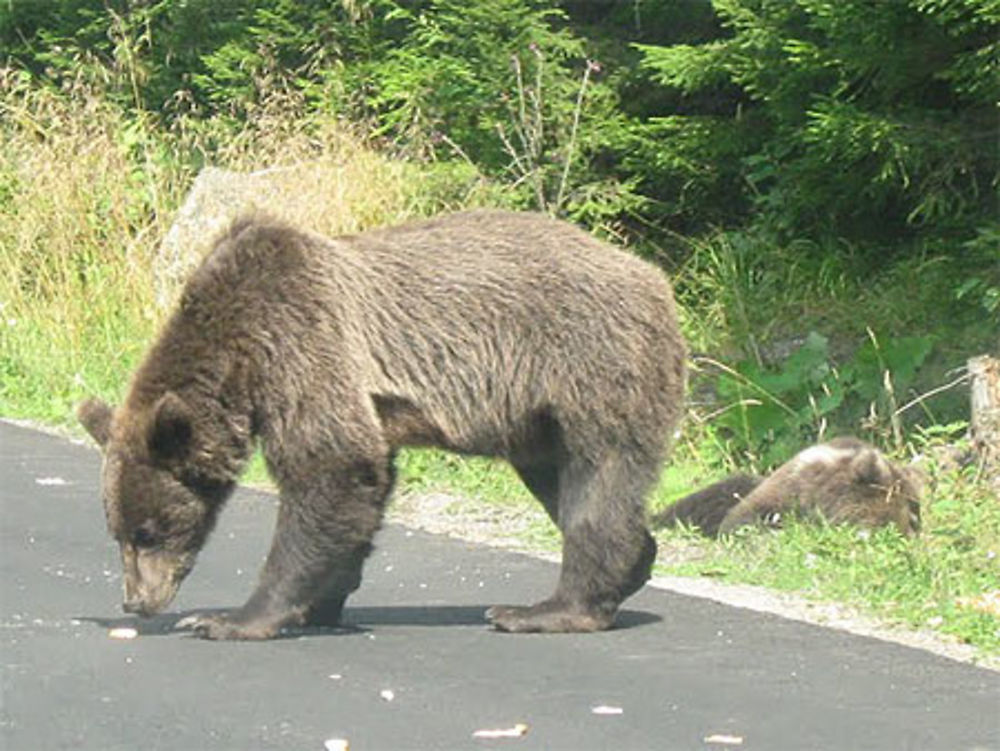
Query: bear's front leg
(321, 541)
(262, 617)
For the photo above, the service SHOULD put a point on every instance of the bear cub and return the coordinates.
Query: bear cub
(842, 481)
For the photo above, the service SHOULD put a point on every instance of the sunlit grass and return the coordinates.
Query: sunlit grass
(87, 195)
(930, 582)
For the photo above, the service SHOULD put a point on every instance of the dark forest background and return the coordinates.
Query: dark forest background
(820, 177)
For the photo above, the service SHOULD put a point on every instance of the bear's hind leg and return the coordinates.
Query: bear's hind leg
(607, 552)
(542, 479)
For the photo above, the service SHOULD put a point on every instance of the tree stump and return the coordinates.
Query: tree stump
(984, 372)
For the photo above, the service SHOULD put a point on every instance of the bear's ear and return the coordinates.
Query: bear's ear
(870, 467)
(172, 427)
(95, 415)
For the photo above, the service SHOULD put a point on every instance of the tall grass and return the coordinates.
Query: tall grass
(78, 223)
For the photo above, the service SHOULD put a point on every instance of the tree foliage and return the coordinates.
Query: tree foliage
(849, 118)
(809, 118)
(504, 84)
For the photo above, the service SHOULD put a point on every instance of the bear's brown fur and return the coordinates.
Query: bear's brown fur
(484, 332)
(843, 481)
(706, 508)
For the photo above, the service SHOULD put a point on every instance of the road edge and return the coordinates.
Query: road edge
(788, 605)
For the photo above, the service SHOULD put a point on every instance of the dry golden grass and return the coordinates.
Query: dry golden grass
(76, 231)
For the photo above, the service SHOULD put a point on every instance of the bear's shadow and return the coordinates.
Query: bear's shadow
(356, 620)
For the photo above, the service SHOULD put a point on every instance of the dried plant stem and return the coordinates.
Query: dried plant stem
(571, 145)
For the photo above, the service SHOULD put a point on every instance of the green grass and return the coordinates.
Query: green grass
(75, 302)
(432, 470)
(489, 480)
(921, 583)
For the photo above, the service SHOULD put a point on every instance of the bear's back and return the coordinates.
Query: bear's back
(513, 304)
(478, 320)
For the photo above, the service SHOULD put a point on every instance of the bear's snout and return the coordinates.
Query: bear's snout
(146, 604)
(136, 607)
(150, 579)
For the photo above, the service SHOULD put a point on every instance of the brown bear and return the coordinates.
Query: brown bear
(844, 480)
(484, 332)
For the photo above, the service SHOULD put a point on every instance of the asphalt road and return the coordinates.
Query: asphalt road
(418, 669)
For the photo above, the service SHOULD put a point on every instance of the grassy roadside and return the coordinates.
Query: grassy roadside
(87, 195)
(939, 581)
(945, 581)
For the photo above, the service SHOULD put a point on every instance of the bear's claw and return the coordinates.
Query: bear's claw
(225, 628)
(545, 617)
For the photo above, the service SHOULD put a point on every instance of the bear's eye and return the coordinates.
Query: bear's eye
(143, 537)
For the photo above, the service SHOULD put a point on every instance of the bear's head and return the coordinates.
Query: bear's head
(159, 507)
(891, 491)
